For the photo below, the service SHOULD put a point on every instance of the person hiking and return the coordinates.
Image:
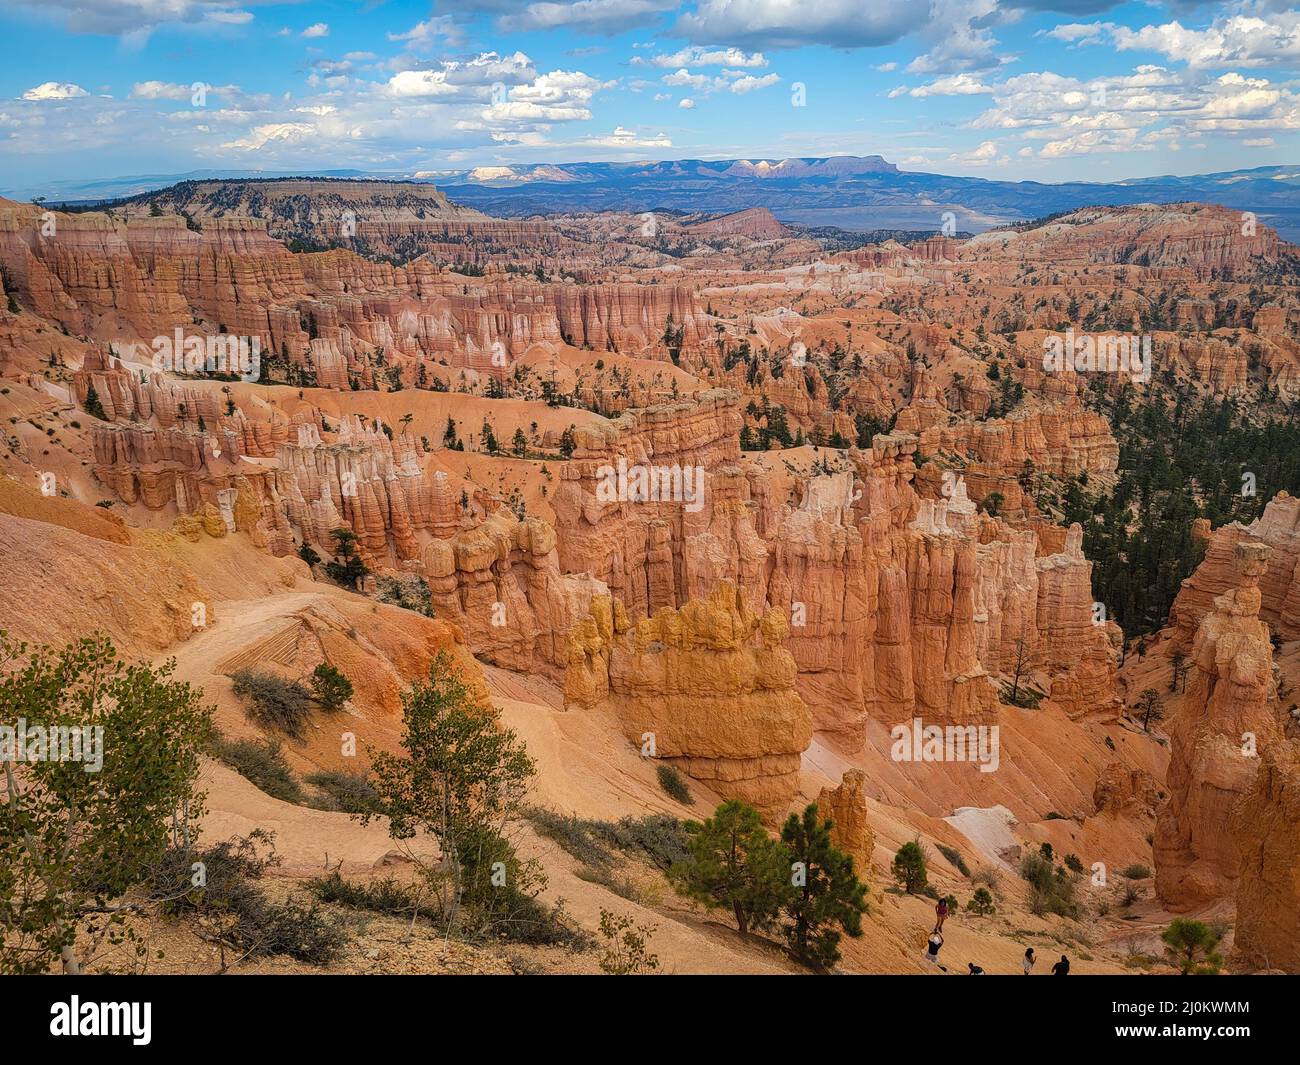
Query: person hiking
(975, 970)
(932, 950)
(1029, 960)
(940, 914)
(1062, 967)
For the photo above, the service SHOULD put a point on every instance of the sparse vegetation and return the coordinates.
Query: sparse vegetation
(272, 702)
(674, 784)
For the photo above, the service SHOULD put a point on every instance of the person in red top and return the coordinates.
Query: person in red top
(941, 914)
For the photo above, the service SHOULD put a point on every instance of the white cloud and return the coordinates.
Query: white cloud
(55, 90)
(709, 57)
(260, 136)
(953, 85)
(316, 29)
(749, 83)
(1256, 40)
(686, 104)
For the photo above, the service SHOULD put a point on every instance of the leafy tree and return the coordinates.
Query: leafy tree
(909, 867)
(827, 892)
(463, 780)
(733, 863)
(330, 687)
(76, 835)
(520, 443)
(1191, 945)
(981, 903)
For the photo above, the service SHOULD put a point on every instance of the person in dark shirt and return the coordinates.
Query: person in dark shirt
(975, 970)
(1062, 967)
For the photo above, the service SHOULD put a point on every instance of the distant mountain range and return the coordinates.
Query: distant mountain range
(849, 192)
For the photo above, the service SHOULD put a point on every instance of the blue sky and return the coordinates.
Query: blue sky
(1052, 90)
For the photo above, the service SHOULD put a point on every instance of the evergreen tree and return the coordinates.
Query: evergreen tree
(909, 867)
(733, 863)
(827, 892)
(93, 404)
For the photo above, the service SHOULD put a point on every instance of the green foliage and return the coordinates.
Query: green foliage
(625, 951)
(734, 864)
(954, 858)
(909, 867)
(409, 593)
(1073, 863)
(1192, 946)
(1136, 871)
(271, 702)
(241, 921)
(826, 892)
(463, 779)
(347, 568)
(1182, 457)
(1051, 889)
(352, 793)
(71, 840)
(981, 903)
(674, 784)
(378, 896)
(94, 405)
(330, 688)
(261, 762)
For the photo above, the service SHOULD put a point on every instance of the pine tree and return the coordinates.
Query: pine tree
(827, 892)
(909, 867)
(93, 405)
(733, 863)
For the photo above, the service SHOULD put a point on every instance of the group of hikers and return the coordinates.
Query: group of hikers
(1061, 968)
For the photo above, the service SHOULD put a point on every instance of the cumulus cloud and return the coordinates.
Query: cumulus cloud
(1152, 107)
(55, 90)
(316, 29)
(686, 104)
(954, 85)
(748, 83)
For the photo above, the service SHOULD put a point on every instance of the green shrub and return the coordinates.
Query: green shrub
(660, 837)
(341, 790)
(1136, 871)
(273, 702)
(230, 898)
(379, 896)
(981, 903)
(1051, 890)
(954, 858)
(261, 763)
(330, 687)
(674, 784)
